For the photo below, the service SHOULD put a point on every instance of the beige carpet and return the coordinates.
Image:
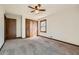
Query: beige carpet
(37, 46)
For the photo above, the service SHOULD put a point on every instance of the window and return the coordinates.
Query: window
(43, 26)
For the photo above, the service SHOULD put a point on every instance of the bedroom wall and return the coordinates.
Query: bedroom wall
(63, 25)
(1, 25)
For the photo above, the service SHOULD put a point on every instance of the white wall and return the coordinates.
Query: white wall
(1, 26)
(19, 26)
(23, 27)
(64, 24)
(18, 23)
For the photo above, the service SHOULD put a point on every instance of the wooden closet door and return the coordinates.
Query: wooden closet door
(31, 28)
(10, 27)
(27, 25)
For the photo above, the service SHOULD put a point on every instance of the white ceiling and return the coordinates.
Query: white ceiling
(22, 9)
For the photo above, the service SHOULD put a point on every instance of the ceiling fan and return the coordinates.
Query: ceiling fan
(37, 8)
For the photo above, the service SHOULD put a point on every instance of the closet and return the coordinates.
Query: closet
(31, 28)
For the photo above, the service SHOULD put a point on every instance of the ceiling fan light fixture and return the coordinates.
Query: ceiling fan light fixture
(36, 11)
(37, 8)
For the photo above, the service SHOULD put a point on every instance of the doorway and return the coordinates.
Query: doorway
(31, 28)
(10, 28)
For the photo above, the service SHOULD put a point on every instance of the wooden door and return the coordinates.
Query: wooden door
(27, 25)
(31, 28)
(10, 28)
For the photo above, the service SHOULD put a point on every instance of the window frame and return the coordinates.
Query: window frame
(44, 26)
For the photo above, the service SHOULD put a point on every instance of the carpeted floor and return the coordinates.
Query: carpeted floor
(37, 46)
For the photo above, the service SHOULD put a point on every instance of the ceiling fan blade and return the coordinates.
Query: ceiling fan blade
(39, 5)
(31, 7)
(42, 10)
(32, 11)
